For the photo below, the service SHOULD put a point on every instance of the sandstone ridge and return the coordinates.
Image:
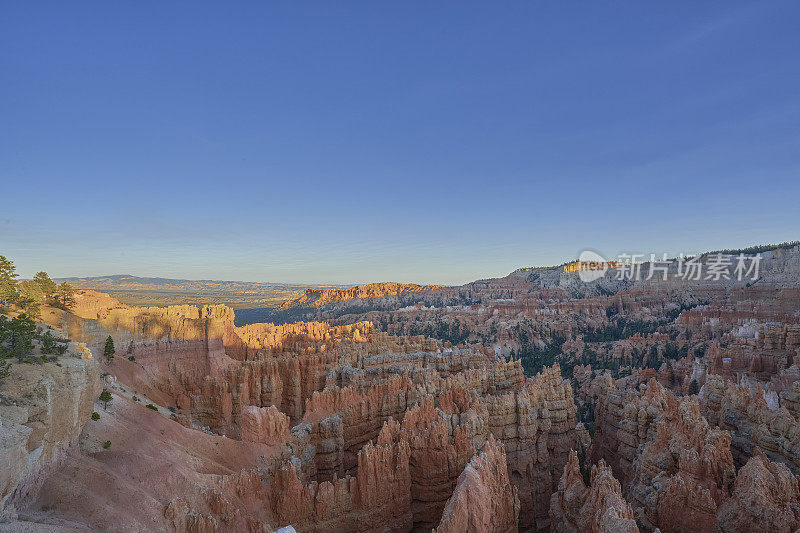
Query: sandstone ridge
(319, 297)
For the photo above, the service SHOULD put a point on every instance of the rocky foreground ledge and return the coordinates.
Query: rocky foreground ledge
(42, 410)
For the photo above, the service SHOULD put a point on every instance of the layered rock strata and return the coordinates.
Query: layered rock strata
(484, 499)
(752, 422)
(598, 508)
(42, 410)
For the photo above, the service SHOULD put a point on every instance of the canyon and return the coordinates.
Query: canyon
(531, 402)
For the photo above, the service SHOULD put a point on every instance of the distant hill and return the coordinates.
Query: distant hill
(136, 290)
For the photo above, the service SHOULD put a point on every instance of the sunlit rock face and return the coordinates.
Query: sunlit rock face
(42, 410)
(484, 499)
(319, 297)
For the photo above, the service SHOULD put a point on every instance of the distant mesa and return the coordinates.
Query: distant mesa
(319, 297)
(522, 270)
(135, 290)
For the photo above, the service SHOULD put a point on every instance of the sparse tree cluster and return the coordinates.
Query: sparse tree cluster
(16, 336)
(30, 295)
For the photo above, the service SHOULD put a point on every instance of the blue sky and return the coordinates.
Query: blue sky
(424, 142)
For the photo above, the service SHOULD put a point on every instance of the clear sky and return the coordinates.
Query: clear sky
(373, 141)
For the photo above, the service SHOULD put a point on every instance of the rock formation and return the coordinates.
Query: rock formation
(319, 297)
(483, 499)
(598, 508)
(766, 497)
(42, 410)
(378, 497)
(677, 468)
(752, 423)
(685, 472)
(412, 408)
(264, 424)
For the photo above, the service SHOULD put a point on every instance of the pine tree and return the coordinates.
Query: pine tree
(21, 331)
(30, 297)
(65, 295)
(47, 285)
(109, 351)
(105, 397)
(693, 387)
(8, 282)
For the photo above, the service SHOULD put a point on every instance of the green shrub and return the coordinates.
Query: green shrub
(151, 406)
(105, 397)
(131, 358)
(107, 445)
(48, 343)
(95, 416)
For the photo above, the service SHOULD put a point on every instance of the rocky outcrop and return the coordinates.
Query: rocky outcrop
(254, 341)
(483, 499)
(766, 497)
(186, 322)
(598, 508)
(684, 472)
(624, 420)
(42, 410)
(538, 427)
(752, 422)
(319, 297)
(675, 467)
(345, 419)
(442, 441)
(264, 424)
(378, 497)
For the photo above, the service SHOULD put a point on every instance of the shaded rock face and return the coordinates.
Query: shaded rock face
(538, 426)
(752, 422)
(42, 410)
(685, 472)
(446, 423)
(598, 508)
(680, 468)
(484, 499)
(624, 422)
(766, 497)
(378, 497)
